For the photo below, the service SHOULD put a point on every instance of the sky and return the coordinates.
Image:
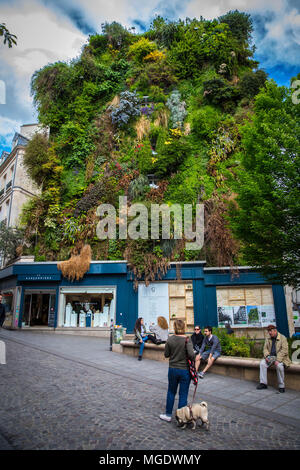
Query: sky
(55, 30)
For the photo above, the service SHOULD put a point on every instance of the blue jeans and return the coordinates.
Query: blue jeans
(183, 378)
(142, 345)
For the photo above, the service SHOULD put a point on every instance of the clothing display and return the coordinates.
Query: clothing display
(91, 312)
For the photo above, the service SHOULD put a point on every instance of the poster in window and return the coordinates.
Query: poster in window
(267, 315)
(225, 315)
(253, 313)
(153, 301)
(240, 316)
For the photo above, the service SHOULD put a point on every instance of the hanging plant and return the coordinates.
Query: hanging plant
(76, 266)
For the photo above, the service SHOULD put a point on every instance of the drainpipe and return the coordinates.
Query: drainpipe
(12, 188)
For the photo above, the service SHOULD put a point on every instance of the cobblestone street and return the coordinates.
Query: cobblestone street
(61, 392)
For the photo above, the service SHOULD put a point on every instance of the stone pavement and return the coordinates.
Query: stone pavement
(70, 392)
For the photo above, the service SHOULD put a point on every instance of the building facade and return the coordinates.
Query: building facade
(36, 295)
(15, 185)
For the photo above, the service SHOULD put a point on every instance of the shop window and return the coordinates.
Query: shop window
(7, 300)
(88, 310)
(245, 306)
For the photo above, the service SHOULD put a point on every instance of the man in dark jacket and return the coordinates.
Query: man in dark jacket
(2, 312)
(213, 349)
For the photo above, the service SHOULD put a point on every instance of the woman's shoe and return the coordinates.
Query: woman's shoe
(165, 418)
(139, 358)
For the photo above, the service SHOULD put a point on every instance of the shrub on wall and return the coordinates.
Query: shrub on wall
(231, 345)
(177, 109)
(141, 49)
(128, 108)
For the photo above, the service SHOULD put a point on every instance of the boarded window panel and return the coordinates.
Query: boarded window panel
(177, 290)
(267, 296)
(237, 294)
(190, 316)
(253, 296)
(177, 307)
(222, 297)
(236, 303)
(189, 298)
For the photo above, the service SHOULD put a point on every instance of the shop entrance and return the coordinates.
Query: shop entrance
(38, 308)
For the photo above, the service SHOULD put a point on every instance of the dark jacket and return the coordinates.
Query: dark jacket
(2, 314)
(197, 340)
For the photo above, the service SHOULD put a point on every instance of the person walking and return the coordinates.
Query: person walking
(2, 312)
(141, 336)
(176, 349)
(276, 351)
(212, 343)
(161, 330)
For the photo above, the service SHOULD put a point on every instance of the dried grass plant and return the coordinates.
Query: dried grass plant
(162, 119)
(115, 101)
(187, 128)
(77, 265)
(223, 248)
(142, 127)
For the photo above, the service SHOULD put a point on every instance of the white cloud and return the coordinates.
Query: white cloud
(49, 31)
(43, 37)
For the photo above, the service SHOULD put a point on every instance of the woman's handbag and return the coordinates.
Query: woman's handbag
(191, 365)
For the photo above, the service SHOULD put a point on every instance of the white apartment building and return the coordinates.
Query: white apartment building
(16, 187)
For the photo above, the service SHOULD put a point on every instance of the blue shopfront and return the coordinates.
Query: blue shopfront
(40, 297)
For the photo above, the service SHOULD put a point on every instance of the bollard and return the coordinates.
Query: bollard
(111, 334)
(2, 353)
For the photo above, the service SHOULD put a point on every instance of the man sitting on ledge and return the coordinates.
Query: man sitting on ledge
(276, 351)
(213, 352)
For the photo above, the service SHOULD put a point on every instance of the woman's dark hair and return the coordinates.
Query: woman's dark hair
(209, 328)
(137, 325)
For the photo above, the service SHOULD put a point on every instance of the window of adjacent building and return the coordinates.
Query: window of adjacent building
(296, 308)
(245, 306)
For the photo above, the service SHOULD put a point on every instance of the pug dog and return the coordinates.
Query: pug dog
(186, 415)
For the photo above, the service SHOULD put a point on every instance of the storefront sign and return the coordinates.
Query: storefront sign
(39, 277)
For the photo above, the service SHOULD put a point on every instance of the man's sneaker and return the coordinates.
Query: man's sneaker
(281, 390)
(165, 418)
(201, 375)
(261, 386)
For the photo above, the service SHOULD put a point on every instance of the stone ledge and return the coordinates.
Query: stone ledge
(239, 367)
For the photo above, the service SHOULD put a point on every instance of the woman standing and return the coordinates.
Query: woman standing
(179, 373)
(161, 330)
(141, 336)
